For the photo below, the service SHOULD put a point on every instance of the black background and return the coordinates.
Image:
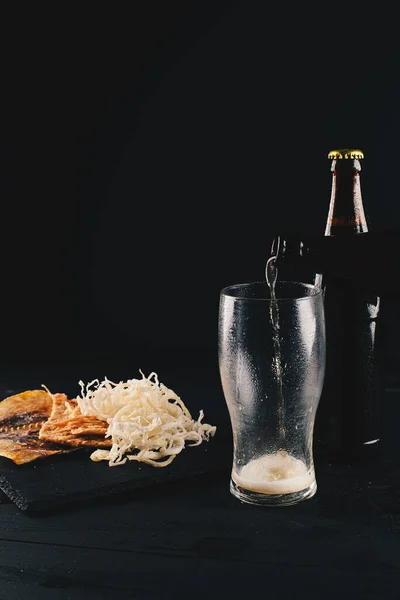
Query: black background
(150, 154)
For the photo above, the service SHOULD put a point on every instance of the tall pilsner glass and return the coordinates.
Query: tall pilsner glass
(272, 365)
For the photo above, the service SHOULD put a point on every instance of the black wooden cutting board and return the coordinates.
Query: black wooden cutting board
(64, 479)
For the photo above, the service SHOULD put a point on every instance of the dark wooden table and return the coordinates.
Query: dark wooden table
(191, 539)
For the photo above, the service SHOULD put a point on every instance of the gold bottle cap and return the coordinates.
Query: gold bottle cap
(345, 153)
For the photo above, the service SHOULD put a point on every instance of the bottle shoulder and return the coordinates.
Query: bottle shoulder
(370, 260)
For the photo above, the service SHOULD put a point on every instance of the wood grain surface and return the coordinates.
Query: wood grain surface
(191, 538)
(199, 539)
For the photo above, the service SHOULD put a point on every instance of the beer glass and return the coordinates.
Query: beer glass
(272, 362)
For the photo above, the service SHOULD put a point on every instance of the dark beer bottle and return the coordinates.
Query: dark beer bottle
(349, 416)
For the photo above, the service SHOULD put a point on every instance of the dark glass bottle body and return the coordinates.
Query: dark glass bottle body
(348, 423)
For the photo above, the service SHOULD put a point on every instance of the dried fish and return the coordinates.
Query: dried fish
(21, 419)
(67, 425)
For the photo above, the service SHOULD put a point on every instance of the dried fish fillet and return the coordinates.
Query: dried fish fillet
(21, 418)
(67, 425)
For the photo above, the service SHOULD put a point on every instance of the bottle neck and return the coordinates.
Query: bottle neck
(346, 212)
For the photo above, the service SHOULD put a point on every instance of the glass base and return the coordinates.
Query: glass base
(258, 499)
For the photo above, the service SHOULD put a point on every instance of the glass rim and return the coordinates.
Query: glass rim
(225, 291)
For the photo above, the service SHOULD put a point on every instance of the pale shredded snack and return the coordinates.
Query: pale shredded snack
(147, 421)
